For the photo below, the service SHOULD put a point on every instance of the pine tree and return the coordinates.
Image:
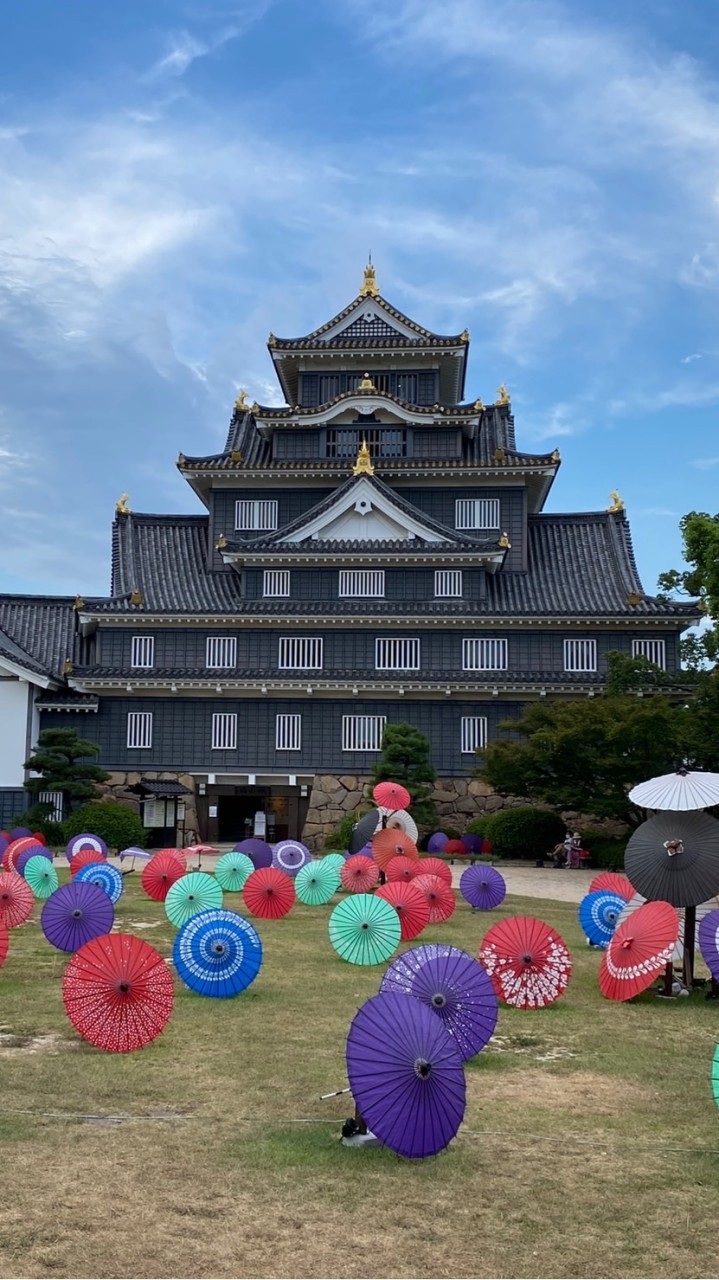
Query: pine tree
(56, 760)
(405, 759)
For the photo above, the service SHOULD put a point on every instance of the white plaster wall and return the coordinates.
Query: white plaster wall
(13, 730)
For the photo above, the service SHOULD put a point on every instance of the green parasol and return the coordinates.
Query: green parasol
(364, 929)
(41, 876)
(715, 1075)
(316, 882)
(334, 860)
(191, 894)
(232, 870)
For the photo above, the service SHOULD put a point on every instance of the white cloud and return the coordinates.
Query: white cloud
(705, 464)
(184, 49)
(682, 394)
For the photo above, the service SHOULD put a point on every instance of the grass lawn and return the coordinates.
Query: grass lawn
(590, 1144)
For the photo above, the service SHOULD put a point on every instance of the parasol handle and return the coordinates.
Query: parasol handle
(336, 1094)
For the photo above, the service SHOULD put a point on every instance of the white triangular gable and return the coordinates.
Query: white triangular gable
(364, 514)
(374, 316)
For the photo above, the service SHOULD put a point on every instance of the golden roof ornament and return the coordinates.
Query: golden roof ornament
(366, 384)
(221, 543)
(121, 507)
(136, 597)
(236, 456)
(464, 335)
(67, 667)
(254, 407)
(363, 465)
(556, 456)
(79, 603)
(478, 405)
(369, 287)
(633, 599)
(504, 541)
(617, 503)
(499, 454)
(503, 394)
(272, 341)
(241, 402)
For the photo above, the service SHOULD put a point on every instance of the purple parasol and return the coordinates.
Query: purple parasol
(454, 986)
(290, 856)
(436, 843)
(473, 844)
(75, 913)
(709, 942)
(32, 851)
(406, 1075)
(257, 850)
(483, 887)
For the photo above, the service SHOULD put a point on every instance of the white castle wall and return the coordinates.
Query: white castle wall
(13, 731)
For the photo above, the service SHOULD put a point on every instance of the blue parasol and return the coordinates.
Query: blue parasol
(598, 915)
(105, 876)
(217, 953)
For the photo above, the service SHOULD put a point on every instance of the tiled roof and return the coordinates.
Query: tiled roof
(37, 632)
(424, 336)
(138, 679)
(345, 546)
(67, 700)
(165, 559)
(292, 412)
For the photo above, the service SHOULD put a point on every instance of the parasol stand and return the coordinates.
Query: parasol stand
(354, 1130)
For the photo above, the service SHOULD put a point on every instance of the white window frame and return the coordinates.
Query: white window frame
(288, 732)
(142, 653)
(220, 653)
(300, 653)
(476, 513)
(448, 584)
(55, 798)
(224, 731)
(139, 730)
(485, 653)
(275, 584)
(473, 734)
(397, 653)
(258, 514)
(363, 730)
(657, 651)
(361, 584)
(580, 655)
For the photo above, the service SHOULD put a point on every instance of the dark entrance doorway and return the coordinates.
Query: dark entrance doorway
(236, 816)
(227, 813)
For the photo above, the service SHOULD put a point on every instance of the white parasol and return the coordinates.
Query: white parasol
(681, 791)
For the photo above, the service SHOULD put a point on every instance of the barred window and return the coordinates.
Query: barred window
(484, 654)
(143, 651)
(362, 733)
(474, 734)
(256, 514)
(221, 651)
(476, 513)
(301, 653)
(362, 582)
(56, 799)
(580, 655)
(288, 733)
(396, 655)
(447, 582)
(139, 729)
(653, 650)
(224, 731)
(276, 582)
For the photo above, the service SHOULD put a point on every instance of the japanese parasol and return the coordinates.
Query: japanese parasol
(217, 953)
(402, 868)
(160, 873)
(402, 819)
(527, 960)
(454, 986)
(4, 944)
(391, 843)
(704, 908)
(638, 951)
(715, 1075)
(674, 857)
(85, 858)
(269, 893)
(41, 876)
(33, 851)
(86, 840)
(14, 849)
(434, 867)
(134, 851)
(75, 913)
(359, 874)
(390, 795)
(683, 790)
(258, 850)
(317, 882)
(363, 830)
(233, 870)
(599, 914)
(364, 929)
(104, 876)
(440, 897)
(118, 992)
(406, 1075)
(709, 942)
(437, 842)
(482, 887)
(16, 900)
(180, 855)
(613, 883)
(197, 891)
(289, 856)
(410, 904)
(334, 860)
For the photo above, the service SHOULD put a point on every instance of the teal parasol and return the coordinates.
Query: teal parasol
(364, 929)
(232, 870)
(715, 1075)
(41, 876)
(335, 860)
(194, 892)
(316, 882)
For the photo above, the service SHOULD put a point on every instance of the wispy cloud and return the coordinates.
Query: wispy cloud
(184, 49)
(705, 464)
(681, 394)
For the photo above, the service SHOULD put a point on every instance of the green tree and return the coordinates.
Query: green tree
(57, 759)
(700, 535)
(701, 724)
(405, 759)
(587, 754)
(634, 675)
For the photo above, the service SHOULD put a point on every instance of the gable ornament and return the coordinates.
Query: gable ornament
(633, 599)
(236, 456)
(221, 543)
(366, 384)
(617, 503)
(499, 454)
(504, 541)
(363, 466)
(369, 287)
(136, 597)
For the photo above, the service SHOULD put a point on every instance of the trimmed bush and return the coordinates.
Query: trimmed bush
(480, 826)
(605, 850)
(339, 838)
(524, 832)
(115, 823)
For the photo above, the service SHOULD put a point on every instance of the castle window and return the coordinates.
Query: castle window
(260, 514)
(276, 582)
(221, 651)
(476, 513)
(301, 653)
(143, 651)
(139, 729)
(396, 655)
(362, 733)
(224, 731)
(474, 734)
(482, 654)
(288, 733)
(580, 655)
(362, 583)
(447, 584)
(653, 650)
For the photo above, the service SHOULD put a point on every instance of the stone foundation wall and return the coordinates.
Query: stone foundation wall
(116, 789)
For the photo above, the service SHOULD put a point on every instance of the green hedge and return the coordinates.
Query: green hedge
(114, 823)
(524, 832)
(480, 826)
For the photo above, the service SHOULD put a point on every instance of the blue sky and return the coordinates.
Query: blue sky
(180, 178)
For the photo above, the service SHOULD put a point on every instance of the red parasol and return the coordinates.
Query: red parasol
(14, 849)
(359, 874)
(435, 867)
(160, 873)
(612, 882)
(528, 962)
(410, 904)
(639, 950)
(392, 843)
(4, 944)
(85, 858)
(455, 849)
(269, 893)
(118, 992)
(439, 895)
(390, 795)
(402, 868)
(16, 900)
(179, 854)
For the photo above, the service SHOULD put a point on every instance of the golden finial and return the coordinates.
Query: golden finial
(617, 503)
(366, 384)
(503, 394)
(137, 597)
(236, 456)
(556, 456)
(633, 599)
(221, 542)
(363, 465)
(272, 341)
(504, 541)
(241, 402)
(181, 459)
(478, 405)
(121, 507)
(369, 287)
(67, 667)
(79, 603)
(464, 335)
(499, 454)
